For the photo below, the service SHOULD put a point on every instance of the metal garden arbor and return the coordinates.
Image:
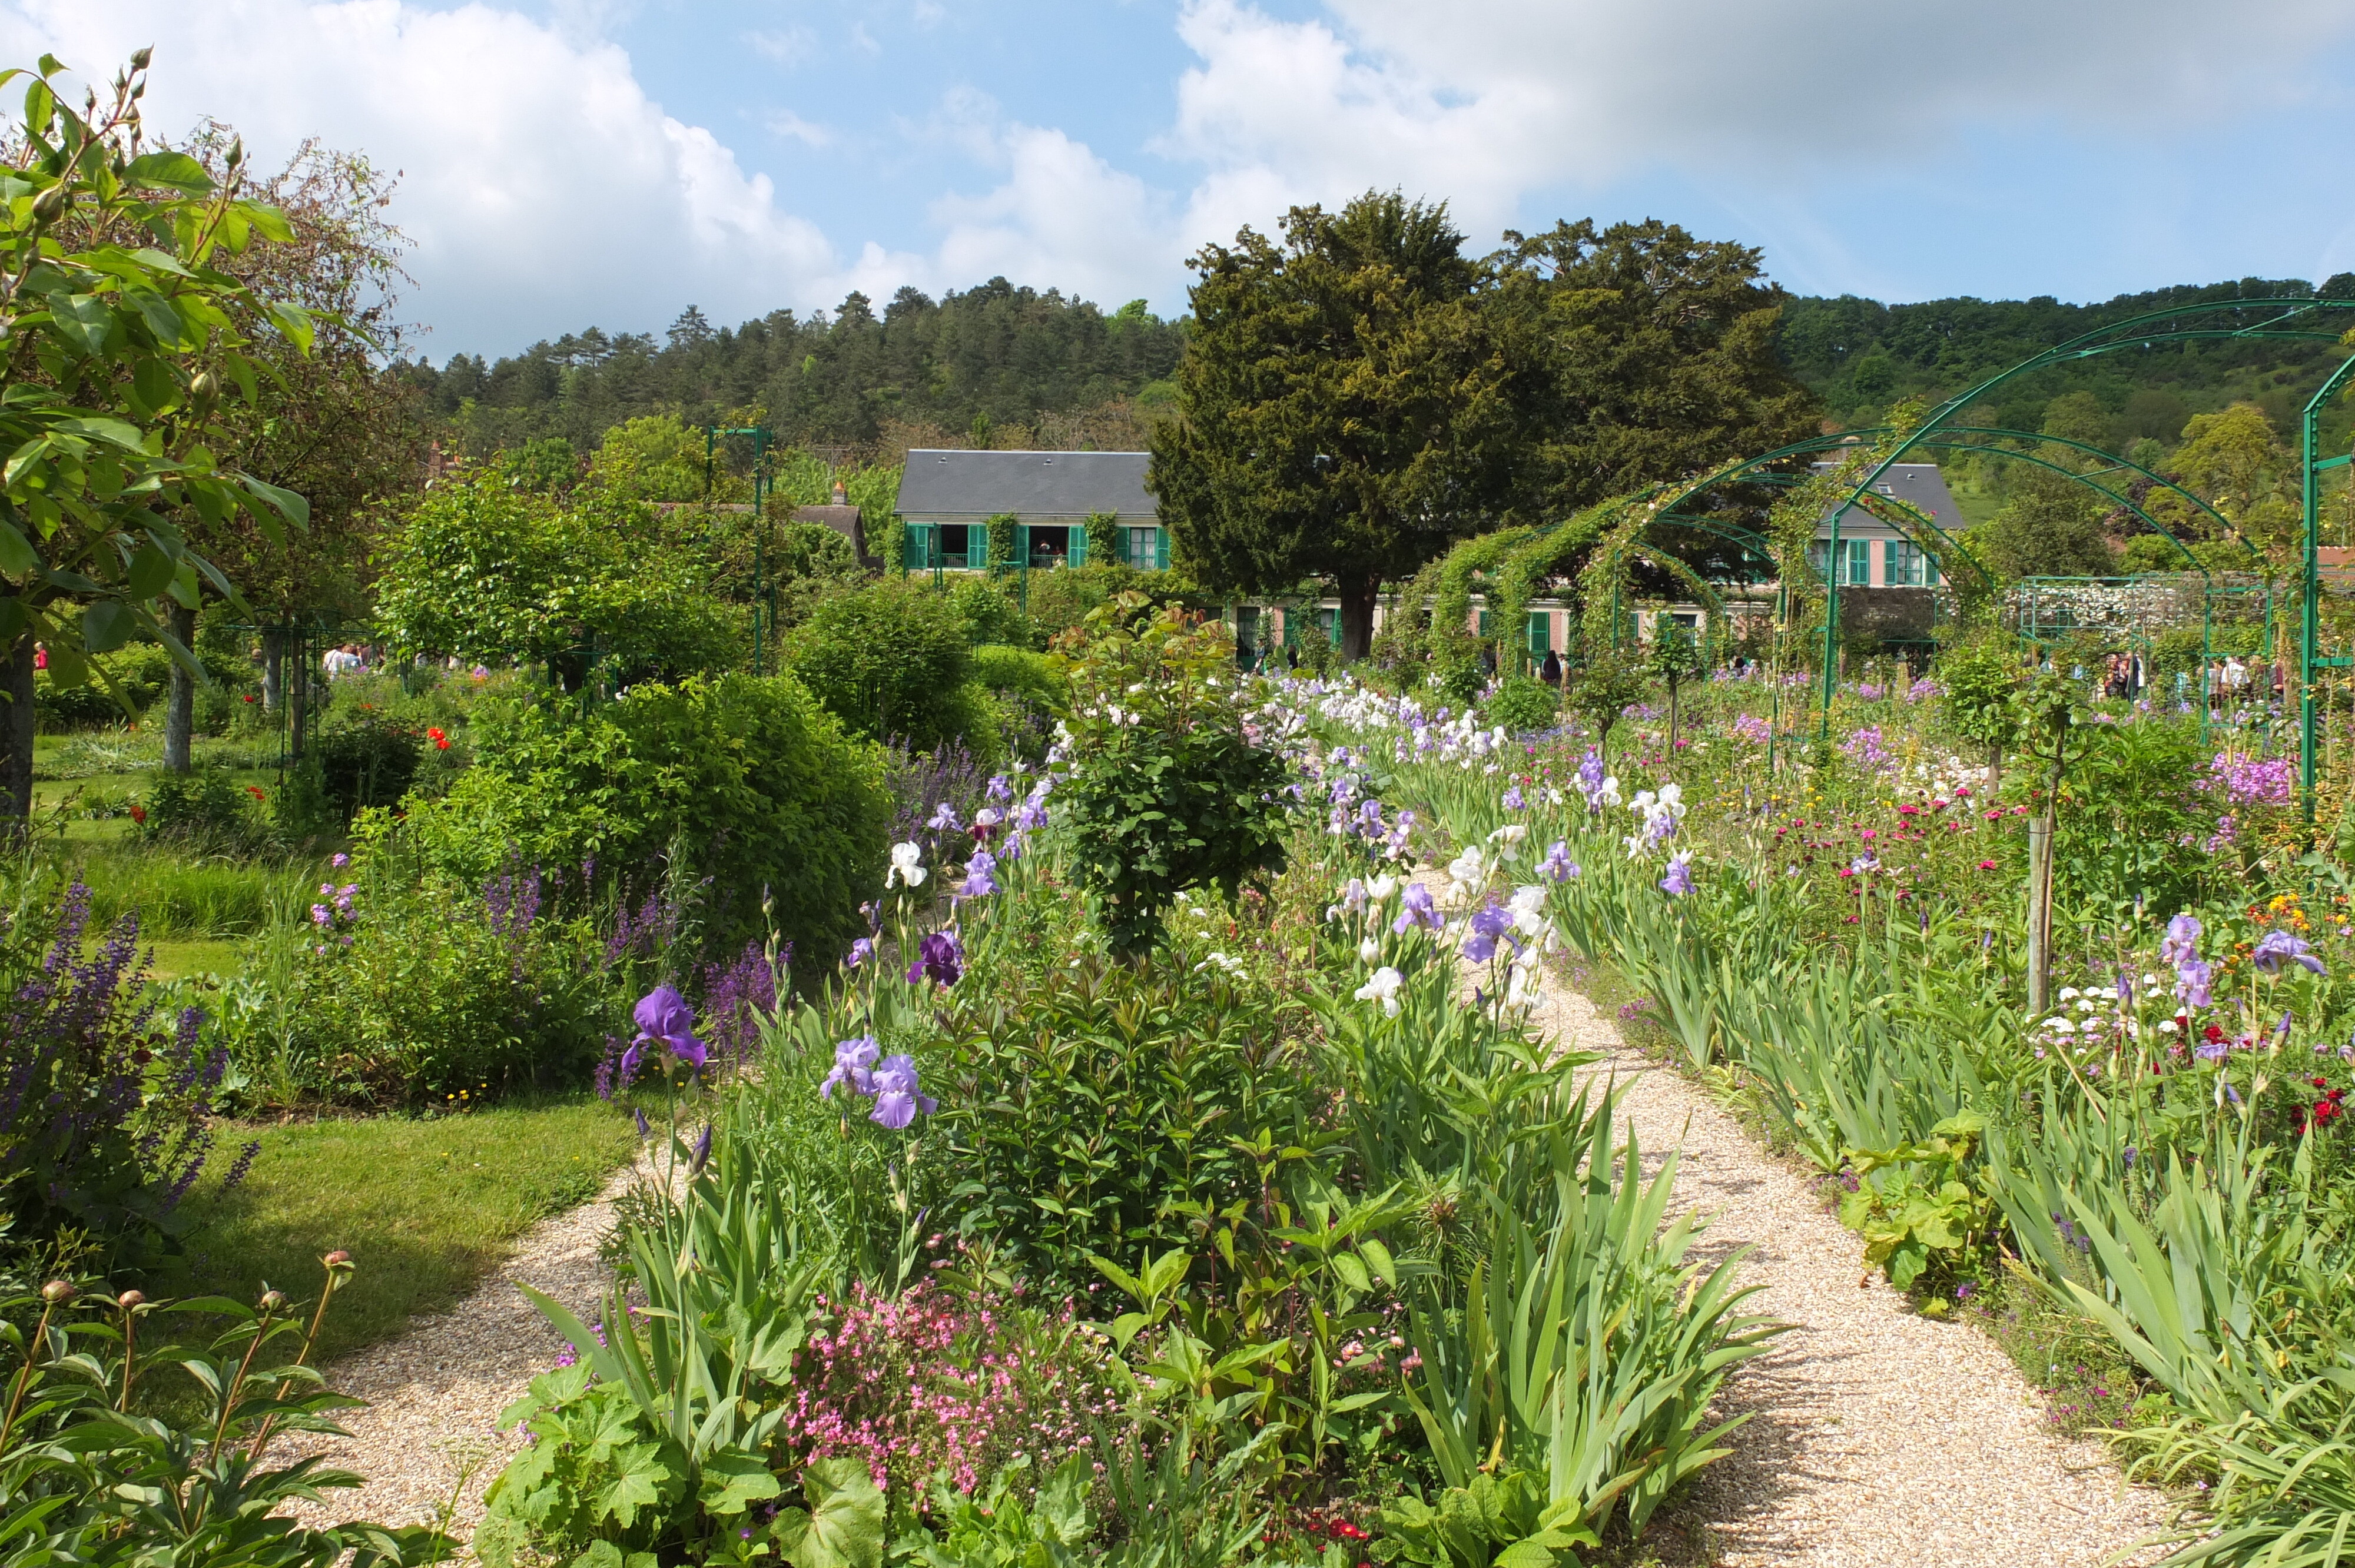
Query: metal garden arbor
(2306, 320)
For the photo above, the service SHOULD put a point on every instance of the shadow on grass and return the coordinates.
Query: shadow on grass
(427, 1207)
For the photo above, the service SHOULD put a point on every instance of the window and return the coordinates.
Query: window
(1142, 546)
(1332, 620)
(1901, 562)
(949, 543)
(1540, 633)
(1484, 623)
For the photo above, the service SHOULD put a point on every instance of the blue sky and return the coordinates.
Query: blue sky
(567, 162)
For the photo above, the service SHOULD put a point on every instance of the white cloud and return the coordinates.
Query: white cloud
(1061, 216)
(541, 188)
(786, 45)
(788, 123)
(1481, 101)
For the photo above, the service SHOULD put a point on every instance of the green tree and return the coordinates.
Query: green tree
(891, 661)
(2051, 526)
(485, 571)
(1645, 354)
(116, 361)
(1345, 412)
(2078, 416)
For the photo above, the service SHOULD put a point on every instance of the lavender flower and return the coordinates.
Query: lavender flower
(1513, 801)
(664, 1016)
(1000, 787)
(853, 1062)
(1415, 908)
(2279, 946)
(1678, 881)
(979, 882)
(1492, 921)
(2182, 939)
(861, 951)
(2192, 977)
(897, 1098)
(1558, 866)
(944, 819)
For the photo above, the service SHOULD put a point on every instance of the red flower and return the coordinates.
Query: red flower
(139, 816)
(255, 791)
(1986, 865)
(247, 697)
(441, 741)
(2212, 1033)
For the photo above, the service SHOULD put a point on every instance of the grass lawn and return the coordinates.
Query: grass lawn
(425, 1207)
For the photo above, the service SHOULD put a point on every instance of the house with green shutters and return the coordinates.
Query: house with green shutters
(947, 498)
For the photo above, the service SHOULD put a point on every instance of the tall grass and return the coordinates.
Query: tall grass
(184, 894)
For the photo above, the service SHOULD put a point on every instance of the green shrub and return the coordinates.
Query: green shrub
(887, 660)
(421, 993)
(489, 572)
(210, 809)
(141, 673)
(1523, 703)
(991, 614)
(1033, 675)
(1168, 791)
(742, 781)
(369, 764)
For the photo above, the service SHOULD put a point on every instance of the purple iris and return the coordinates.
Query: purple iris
(853, 1062)
(944, 819)
(664, 1016)
(2182, 940)
(978, 881)
(1370, 817)
(1031, 815)
(2192, 982)
(1416, 909)
(1513, 801)
(629, 1066)
(643, 1128)
(861, 951)
(2210, 1050)
(897, 1099)
(940, 957)
(1492, 921)
(1001, 788)
(1678, 882)
(1558, 866)
(2279, 946)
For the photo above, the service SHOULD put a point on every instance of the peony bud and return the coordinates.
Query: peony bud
(271, 1300)
(129, 1299)
(57, 1293)
(337, 1259)
(51, 203)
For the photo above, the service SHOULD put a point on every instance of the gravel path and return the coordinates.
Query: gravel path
(1880, 1439)
(435, 1393)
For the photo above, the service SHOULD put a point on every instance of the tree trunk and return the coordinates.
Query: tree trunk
(180, 712)
(1995, 771)
(1356, 596)
(17, 741)
(298, 702)
(273, 666)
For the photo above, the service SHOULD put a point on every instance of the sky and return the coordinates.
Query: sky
(570, 163)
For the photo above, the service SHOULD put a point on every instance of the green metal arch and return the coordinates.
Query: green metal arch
(2109, 339)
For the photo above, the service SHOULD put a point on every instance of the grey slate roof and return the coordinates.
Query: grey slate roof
(1028, 484)
(1919, 483)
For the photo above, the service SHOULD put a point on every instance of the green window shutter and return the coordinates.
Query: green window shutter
(1484, 623)
(1078, 555)
(1859, 563)
(1929, 569)
(919, 548)
(1161, 549)
(1892, 570)
(1540, 633)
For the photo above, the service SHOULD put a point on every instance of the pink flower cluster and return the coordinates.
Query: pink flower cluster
(934, 1383)
(1751, 729)
(2247, 780)
(1864, 747)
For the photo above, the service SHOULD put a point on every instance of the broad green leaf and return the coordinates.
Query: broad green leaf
(734, 1481)
(150, 572)
(173, 171)
(286, 503)
(843, 1527)
(17, 557)
(107, 625)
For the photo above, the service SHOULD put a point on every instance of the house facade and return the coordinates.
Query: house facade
(946, 499)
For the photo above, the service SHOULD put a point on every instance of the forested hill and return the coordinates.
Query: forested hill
(1862, 355)
(1027, 365)
(1014, 365)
